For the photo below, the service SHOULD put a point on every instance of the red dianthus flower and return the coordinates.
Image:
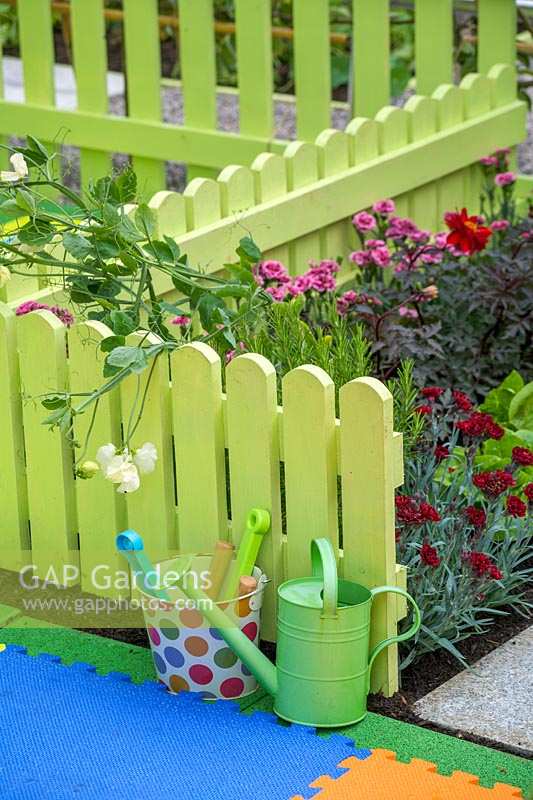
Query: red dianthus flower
(495, 483)
(441, 452)
(515, 506)
(432, 392)
(428, 555)
(479, 425)
(462, 400)
(528, 491)
(522, 456)
(476, 516)
(425, 409)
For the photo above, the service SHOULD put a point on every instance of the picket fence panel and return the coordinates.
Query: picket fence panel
(213, 447)
(198, 142)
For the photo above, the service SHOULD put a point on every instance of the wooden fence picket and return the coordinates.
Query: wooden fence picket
(197, 36)
(450, 113)
(477, 99)
(433, 44)
(202, 203)
(496, 34)
(13, 490)
(237, 190)
(394, 134)
(312, 67)
(371, 46)
(368, 480)
(49, 458)
(302, 170)
(152, 511)
(363, 136)
(199, 447)
(333, 158)
(254, 67)
(422, 122)
(310, 457)
(102, 512)
(90, 68)
(143, 76)
(270, 173)
(253, 447)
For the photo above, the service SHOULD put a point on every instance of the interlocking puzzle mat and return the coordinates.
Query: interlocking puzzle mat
(67, 732)
(382, 777)
(376, 731)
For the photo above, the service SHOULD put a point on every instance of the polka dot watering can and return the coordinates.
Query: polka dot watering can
(322, 674)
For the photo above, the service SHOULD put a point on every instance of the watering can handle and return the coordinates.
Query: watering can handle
(324, 566)
(401, 637)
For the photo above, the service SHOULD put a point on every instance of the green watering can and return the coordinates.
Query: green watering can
(322, 674)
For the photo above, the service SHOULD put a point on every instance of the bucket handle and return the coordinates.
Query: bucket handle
(324, 565)
(401, 637)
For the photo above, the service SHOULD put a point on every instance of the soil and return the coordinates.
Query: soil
(417, 680)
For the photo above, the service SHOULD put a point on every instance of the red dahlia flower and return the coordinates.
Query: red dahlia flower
(495, 483)
(522, 456)
(428, 555)
(515, 506)
(466, 232)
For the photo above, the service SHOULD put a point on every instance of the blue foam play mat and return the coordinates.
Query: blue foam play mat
(66, 732)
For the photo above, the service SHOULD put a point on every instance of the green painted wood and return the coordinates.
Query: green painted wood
(143, 76)
(422, 122)
(503, 85)
(202, 203)
(477, 99)
(371, 46)
(253, 446)
(4, 156)
(169, 208)
(308, 209)
(433, 44)
(197, 43)
(302, 171)
(101, 510)
(334, 158)
(237, 190)
(199, 447)
(310, 456)
(450, 114)
(497, 27)
(49, 458)
(270, 176)
(13, 494)
(254, 66)
(152, 509)
(90, 66)
(37, 53)
(393, 135)
(312, 66)
(363, 140)
(366, 443)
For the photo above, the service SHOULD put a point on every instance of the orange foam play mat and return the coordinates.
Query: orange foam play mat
(382, 777)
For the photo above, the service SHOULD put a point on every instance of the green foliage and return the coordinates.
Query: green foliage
(105, 259)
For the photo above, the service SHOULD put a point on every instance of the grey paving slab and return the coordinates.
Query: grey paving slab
(494, 700)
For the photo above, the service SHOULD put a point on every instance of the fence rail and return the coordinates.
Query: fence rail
(198, 142)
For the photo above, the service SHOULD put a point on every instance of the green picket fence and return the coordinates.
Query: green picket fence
(197, 142)
(183, 504)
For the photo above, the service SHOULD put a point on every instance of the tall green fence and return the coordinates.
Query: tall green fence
(198, 143)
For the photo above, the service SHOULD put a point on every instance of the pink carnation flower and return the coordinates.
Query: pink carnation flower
(278, 293)
(488, 161)
(364, 221)
(500, 225)
(504, 178)
(384, 207)
(299, 285)
(360, 257)
(441, 240)
(434, 257)
(380, 256)
(273, 271)
(32, 305)
(180, 320)
(375, 243)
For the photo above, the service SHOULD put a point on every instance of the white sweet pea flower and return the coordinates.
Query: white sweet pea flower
(105, 454)
(129, 478)
(20, 168)
(145, 458)
(5, 276)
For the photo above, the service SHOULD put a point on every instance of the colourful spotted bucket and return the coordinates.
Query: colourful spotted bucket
(188, 654)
